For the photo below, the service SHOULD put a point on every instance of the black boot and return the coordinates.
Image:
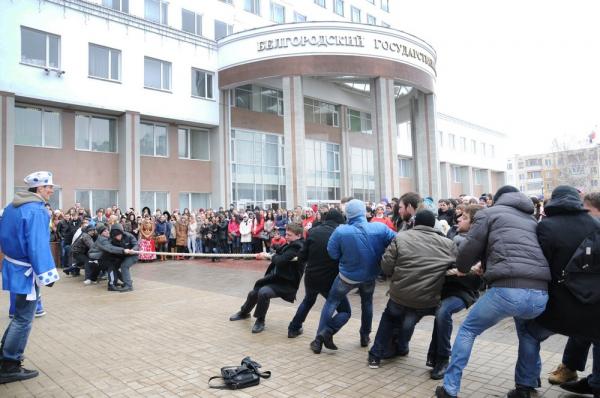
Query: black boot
(430, 363)
(440, 392)
(578, 387)
(259, 326)
(328, 341)
(520, 392)
(317, 344)
(239, 316)
(439, 370)
(13, 371)
(364, 340)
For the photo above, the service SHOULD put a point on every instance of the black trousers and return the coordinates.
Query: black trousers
(261, 299)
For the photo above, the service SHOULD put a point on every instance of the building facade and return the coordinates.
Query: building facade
(174, 104)
(538, 175)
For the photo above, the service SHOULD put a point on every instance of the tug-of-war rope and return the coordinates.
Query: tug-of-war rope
(201, 255)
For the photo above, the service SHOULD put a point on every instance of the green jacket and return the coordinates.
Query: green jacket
(417, 261)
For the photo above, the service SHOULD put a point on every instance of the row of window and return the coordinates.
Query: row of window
(384, 4)
(43, 49)
(38, 126)
(483, 149)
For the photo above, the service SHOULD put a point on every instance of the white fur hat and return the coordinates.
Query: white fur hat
(39, 179)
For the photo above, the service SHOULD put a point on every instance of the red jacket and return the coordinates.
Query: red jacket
(385, 221)
(257, 227)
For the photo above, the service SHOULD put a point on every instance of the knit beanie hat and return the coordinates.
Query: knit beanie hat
(334, 215)
(425, 217)
(503, 190)
(355, 208)
(100, 228)
(115, 232)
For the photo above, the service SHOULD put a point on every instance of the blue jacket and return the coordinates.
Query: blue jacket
(358, 246)
(163, 228)
(25, 237)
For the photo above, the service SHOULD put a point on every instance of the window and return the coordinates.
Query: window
(405, 167)
(441, 138)
(371, 20)
(405, 132)
(277, 13)
(483, 148)
(534, 174)
(193, 144)
(509, 166)
(153, 140)
(385, 5)
(385, 25)
(521, 165)
(226, 1)
(95, 133)
(533, 162)
(37, 127)
(154, 200)
(322, 171)
(548, 162)
(535, 186)
(55, 200)
(463, 144)
(104, 62)
(252, 6)
(157, 11)
(222, 29)
(355, 14)
(478, 177)
(319, 112)
(95, 198)
(119, 5)
(194, 201)
(359, 122)
(257, 169)
(492, 151)
(362, 179)
(594, 183)
(521, 176)
(452, 141)
(299, 17)
(371, 1)
(202, 84)
(457, 174)
(577, 169)
(320, 3)
(157, 74)
(259, 99)
(191, 22)
(473, 146)
(338, 7)
(40, 48)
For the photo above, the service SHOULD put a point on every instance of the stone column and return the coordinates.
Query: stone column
(220, 140)
(294, 136)
(488, 188)
(345, 155)
(425, 153)
(129, 160)
(7, 148)
(383, 121)
(468, 185)
(446, 180)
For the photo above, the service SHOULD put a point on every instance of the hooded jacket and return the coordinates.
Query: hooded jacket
(565, 226)
(25, 237)
(504, 238)
(103, 247)
(284, 272)
(417, 261)
(358, 246)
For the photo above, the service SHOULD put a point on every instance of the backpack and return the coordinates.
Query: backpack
(237, 377)
(581, 275)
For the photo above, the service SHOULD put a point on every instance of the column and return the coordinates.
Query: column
(129, 160)
(345, 155)
(488, 188)
(383, 122)
(7, 148)
(446, 180)
(425, 153)
(220, 139)
(468, 185)
(294, 136)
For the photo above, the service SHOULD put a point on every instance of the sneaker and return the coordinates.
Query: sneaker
(440, 392)
(562, 374)
(578, 387)
(40, 314)
(126, 289)
(13, 371)
(112, 288)
(239, 316)
(292, 333)
(87, 282)
(374, 362)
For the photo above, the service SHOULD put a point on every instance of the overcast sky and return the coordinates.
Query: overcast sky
(528, 68)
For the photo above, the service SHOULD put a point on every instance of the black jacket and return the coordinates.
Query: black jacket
(503, 237)
(284, 272)
(565, 226)
(321, 269)
(464, 287)
(66, 230)
(448, 215)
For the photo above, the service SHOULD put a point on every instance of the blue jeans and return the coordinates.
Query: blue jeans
(309, 300)
(16, 334)
(396, 316)
(199, 246)
(39, 308)
(66, 255)
(576, 353)
(529, 363)
(442, 327)
(497, 304)
(339, 290)
(247, 247)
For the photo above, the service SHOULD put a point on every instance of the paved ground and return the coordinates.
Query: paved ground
(172, 333)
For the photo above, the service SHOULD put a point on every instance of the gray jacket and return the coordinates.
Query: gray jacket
(504, 238)
(103, 245)
(83, 244)
(417, 261)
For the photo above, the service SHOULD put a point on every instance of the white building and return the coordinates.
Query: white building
(187, 103)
